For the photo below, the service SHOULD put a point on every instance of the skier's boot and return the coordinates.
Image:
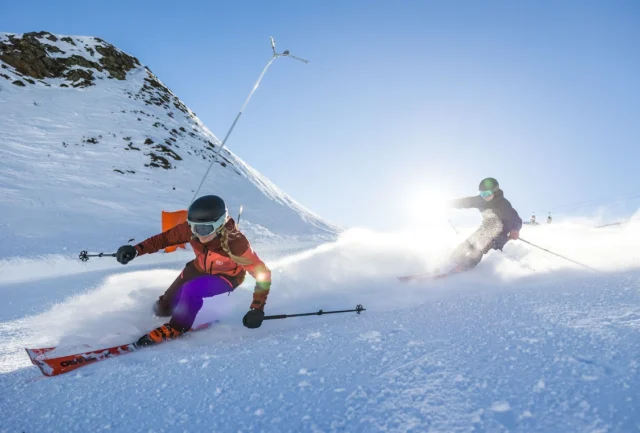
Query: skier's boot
(163, 333)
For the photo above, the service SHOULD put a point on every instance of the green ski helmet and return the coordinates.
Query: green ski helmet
(488, 186)
(488, 183)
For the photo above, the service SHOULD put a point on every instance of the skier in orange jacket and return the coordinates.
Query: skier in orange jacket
(223, 257)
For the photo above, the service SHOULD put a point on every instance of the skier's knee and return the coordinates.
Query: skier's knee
(162, 308)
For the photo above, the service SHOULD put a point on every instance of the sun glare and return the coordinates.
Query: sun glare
(427, 208)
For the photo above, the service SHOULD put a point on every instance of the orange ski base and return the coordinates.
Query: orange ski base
(65, 364)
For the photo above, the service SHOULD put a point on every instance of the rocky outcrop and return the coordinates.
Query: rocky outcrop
(31, 55)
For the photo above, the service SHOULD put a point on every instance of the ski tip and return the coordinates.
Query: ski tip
(32, 355)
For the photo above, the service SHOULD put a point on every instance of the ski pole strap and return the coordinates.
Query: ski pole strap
(561, 256)
(358, 309)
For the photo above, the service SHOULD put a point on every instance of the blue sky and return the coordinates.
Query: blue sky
(402, 99)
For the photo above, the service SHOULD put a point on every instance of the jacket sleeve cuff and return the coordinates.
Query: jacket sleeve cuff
(259, 299)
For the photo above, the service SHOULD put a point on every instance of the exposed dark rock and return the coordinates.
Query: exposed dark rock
(45, 35)
(180, 106)
(80, 77)
(158, 161)
(167, 151)
(18, 83)
(53, 49)
(68, 40)
(115, 61)
(29, 56)
(154, 83)
(148, 141)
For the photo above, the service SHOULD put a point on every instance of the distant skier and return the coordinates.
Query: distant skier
(549, 219)
(500, 223)
(223, 256)
(533, 220)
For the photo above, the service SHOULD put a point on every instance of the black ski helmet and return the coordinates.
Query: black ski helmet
(206, 209)
(488, 184)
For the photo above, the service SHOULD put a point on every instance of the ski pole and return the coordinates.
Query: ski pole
(358, 309)
(84, 256)
(561, 256)
(239, 215)
(452, 226)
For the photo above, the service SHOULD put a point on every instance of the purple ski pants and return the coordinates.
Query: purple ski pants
(184, 298)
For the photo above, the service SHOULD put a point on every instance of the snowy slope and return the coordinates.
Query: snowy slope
(503, 348)
(91, 141)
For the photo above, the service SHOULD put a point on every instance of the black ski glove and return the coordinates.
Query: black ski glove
(253, 319)
(126, 253)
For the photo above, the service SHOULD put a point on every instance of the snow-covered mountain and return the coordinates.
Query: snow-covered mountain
(88, 134)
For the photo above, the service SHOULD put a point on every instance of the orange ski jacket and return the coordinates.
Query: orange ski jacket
(211, 257)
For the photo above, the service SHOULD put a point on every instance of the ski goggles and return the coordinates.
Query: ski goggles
(207, 228)
(488, 193)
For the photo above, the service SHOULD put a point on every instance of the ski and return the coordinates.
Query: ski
(34, 353)
(64, 364)
(424, 277)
